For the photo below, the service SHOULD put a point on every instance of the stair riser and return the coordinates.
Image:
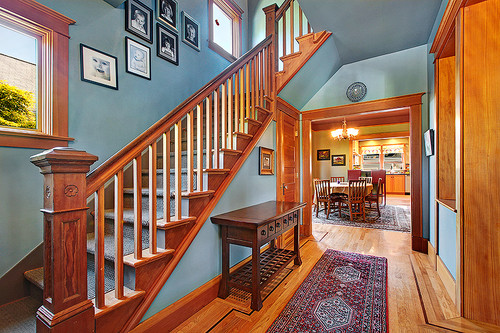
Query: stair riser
(172, 238)
(212, 182)
(228, 160)
(251, 128)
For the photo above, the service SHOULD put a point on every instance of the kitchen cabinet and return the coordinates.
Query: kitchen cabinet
(395, 184)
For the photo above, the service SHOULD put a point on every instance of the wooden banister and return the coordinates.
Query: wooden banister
(283, 8)
(108, 169)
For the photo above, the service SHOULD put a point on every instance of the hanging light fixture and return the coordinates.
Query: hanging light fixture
(345, 133)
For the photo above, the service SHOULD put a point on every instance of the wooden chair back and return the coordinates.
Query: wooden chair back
(336, 179)
(357, 190)
(322, 188)
(353, 174)
(368, 179)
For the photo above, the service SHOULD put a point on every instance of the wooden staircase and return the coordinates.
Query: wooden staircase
(113, 237)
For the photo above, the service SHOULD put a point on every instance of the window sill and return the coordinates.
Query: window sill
(448, 203)
(223, 53)
(31, 139)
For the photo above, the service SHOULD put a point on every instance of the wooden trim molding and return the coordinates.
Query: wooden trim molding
(446, 277)
(383, 135)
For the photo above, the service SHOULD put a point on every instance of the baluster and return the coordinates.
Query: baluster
(291, 28)
(177, 167)
(230, 112)
(242, 94)
(137, 169)
(301, 26)
(208, 132)
(255, 95)
(284, 34)
(99, 247)
(216, 129)
(247, 90)
(199, 148)
(261, 90)
(119, 234)
(166, 176)
(190, 152)
(152, 198)
(235, 108)
(223, 121)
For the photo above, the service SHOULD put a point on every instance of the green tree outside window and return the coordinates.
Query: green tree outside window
(16, 107)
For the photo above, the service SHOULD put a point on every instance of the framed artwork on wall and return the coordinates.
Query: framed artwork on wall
(338, 160)
(266, 161)
(138, 58)
(139, 20)
(167, 44)
(98, 67)
(167, 12)
(323, 154)
(190, 31)
(429, 142)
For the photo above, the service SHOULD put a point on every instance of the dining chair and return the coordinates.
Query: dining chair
(368, 179)
(374, 196)
(314, 203)
(376, 174)
(356, 198)
(336, 179)
(322, 188)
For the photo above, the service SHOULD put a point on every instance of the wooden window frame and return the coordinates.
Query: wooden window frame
(51, 30)
(235, 13)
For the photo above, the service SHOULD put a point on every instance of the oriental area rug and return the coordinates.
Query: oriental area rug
(396, 218)
(345, 292)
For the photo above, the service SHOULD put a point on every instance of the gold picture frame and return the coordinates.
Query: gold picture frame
(266, 161)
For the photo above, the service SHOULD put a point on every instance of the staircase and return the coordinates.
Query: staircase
(109, 252)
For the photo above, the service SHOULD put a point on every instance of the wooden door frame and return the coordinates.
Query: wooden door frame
(413, 103)
(283, 106)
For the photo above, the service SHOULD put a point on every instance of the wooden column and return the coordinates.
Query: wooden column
(272, 29)
(65, 305)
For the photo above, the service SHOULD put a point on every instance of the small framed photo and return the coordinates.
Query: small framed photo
(429, 142)
(139, 20)
(323, 154)
(167, 44)
(98, 67)
(138, 58)
(167, 12)
(266, 161)
(338, 160)
(190, 31)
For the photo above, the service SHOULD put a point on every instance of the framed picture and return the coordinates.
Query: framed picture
(266, 161)
(139, 20)
(190, 31)
(167, 44)
(323, 154)
(338, 160)
(138, 58)
(167, 12)
(429, 142)
(98, 67)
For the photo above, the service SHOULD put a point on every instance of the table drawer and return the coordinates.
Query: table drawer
(271, 228)
(279, 225)
(262, 233)
(287, 221)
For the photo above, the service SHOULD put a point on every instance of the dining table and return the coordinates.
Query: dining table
(343, 187)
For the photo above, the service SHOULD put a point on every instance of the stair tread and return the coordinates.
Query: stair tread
(251, 120)
(35, 276)
(174, 222)
(290, 56)
(109, 244)
(146, 257)
(243, 134)
(231, 151)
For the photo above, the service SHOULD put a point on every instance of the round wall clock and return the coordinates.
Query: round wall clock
(356, 91)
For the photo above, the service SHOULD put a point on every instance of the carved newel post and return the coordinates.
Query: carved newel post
(65, 305)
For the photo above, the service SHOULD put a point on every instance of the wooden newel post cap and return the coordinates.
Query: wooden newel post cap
(271, 8)
(63, 160)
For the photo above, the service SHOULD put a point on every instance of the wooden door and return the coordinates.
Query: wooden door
(287, 180)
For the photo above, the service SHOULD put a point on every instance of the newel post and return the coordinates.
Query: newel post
(272, 29)
(65, 305)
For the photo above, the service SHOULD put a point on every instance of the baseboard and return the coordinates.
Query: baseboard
(419, 244)
(446, 277)
(13, 286)
(174, 315)
(431, 252)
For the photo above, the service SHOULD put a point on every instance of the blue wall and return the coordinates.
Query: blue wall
(202, 261)
(102, 120)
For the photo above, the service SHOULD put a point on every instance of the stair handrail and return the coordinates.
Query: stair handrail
(99, 176)
(282, 9)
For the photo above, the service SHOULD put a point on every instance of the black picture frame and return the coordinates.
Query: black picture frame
(134, 10)
(98, 67)
(429, 142)
(338, 160)
(167, 11)
(163, 36)
(190, 31)
(323, 154)
(138, 58)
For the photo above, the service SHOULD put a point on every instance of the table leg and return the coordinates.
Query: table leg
(256, 299)
(296, 245)
(223, 286)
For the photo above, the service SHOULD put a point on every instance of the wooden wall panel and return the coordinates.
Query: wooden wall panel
(481, 158)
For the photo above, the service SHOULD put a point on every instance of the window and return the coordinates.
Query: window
(225, 28)
(33, 75)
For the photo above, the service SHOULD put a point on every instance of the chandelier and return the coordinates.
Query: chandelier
(344, 133)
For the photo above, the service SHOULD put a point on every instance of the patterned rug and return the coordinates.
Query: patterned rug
(345, 292)
(395, 218)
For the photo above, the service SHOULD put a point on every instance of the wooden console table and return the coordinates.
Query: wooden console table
(253, 227)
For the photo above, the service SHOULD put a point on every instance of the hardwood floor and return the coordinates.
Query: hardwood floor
(398, 200)
(413, 303)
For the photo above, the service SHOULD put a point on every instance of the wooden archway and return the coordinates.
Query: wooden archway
(413, 103)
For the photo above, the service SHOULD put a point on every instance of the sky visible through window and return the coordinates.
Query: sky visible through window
(17, 45)
(223, 29)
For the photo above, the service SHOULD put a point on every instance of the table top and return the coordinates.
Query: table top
(253, 216)
(343, 187)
